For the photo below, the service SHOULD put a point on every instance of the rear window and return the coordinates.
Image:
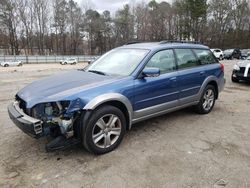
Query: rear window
(205, 56)
(186, 58)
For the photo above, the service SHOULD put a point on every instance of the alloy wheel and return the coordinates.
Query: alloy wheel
(106, 131)
(208, 99)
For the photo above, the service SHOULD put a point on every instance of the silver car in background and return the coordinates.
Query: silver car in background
(71, 61)
(241, 70)
(218, 53)
(11, 63)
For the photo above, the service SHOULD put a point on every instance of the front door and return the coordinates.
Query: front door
(154, 94)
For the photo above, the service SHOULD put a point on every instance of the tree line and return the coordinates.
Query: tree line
(63, 27)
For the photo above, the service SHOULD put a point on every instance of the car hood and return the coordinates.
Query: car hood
(59, 87)
(243, 63)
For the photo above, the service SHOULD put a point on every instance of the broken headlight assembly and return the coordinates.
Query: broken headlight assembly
(236, 67)
(55, 117)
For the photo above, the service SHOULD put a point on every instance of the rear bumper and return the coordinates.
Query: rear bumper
(29, 125)
(221, 84)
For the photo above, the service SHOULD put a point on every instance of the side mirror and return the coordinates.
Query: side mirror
(151, 72)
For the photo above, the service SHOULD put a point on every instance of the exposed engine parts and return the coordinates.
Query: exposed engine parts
(66, 126)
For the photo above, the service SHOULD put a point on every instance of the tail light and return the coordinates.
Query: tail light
(222, 67)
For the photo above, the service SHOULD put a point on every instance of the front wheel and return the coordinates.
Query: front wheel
(234, 79)
(104, 130)
(207, 100)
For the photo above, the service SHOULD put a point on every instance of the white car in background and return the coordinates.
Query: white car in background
(218, 53)
(11, 63)
(71, 61)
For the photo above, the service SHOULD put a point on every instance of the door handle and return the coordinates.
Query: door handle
(202, 72)
(173, 79)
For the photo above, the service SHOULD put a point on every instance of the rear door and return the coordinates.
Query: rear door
(190, 75)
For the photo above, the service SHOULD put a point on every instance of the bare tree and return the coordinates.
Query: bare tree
(75, 19)
(25, 12)
(41, 13)
(10, 20)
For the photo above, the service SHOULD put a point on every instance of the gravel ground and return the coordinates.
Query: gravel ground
(181, 149)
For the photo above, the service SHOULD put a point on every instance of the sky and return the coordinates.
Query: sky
(111, 5)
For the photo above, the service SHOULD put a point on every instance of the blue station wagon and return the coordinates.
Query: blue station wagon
(96, 105)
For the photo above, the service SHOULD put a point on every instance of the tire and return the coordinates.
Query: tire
(234, 79)
(221, 57)
(100, 135)
(6, 65)
(207, 100)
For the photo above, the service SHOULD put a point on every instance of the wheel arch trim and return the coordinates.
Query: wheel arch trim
(109, 97)
(206, 82)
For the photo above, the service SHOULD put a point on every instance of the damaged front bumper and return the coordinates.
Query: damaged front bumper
(29, 125)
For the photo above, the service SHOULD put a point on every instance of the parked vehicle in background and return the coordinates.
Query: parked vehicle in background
(218, 53)
(11, 63)
(71, 61)
(232, 53)
(241, 70)
(92, 59)
(245, 53)
(128, 84)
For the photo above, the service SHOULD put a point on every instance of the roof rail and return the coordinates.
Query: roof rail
(132, 42)
(179, 41)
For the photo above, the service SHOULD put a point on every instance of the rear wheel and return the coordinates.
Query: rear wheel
(104, 130)
(207, 100)
(6, 65)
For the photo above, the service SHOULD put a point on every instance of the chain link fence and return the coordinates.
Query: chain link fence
(46, 59)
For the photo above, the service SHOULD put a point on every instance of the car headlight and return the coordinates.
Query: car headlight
(50, 109)
(236, 67)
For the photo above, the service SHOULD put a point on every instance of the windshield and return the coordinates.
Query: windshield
(120, 62)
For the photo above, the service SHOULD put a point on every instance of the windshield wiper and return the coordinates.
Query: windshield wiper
(98, 72)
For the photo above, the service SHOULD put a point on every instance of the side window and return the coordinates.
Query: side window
(186, 58)
(205, 56)
(164, 60)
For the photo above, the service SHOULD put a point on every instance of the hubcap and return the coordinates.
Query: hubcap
(208, 99)
(106, 131)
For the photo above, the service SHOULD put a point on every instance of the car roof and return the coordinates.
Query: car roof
(164, 45)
